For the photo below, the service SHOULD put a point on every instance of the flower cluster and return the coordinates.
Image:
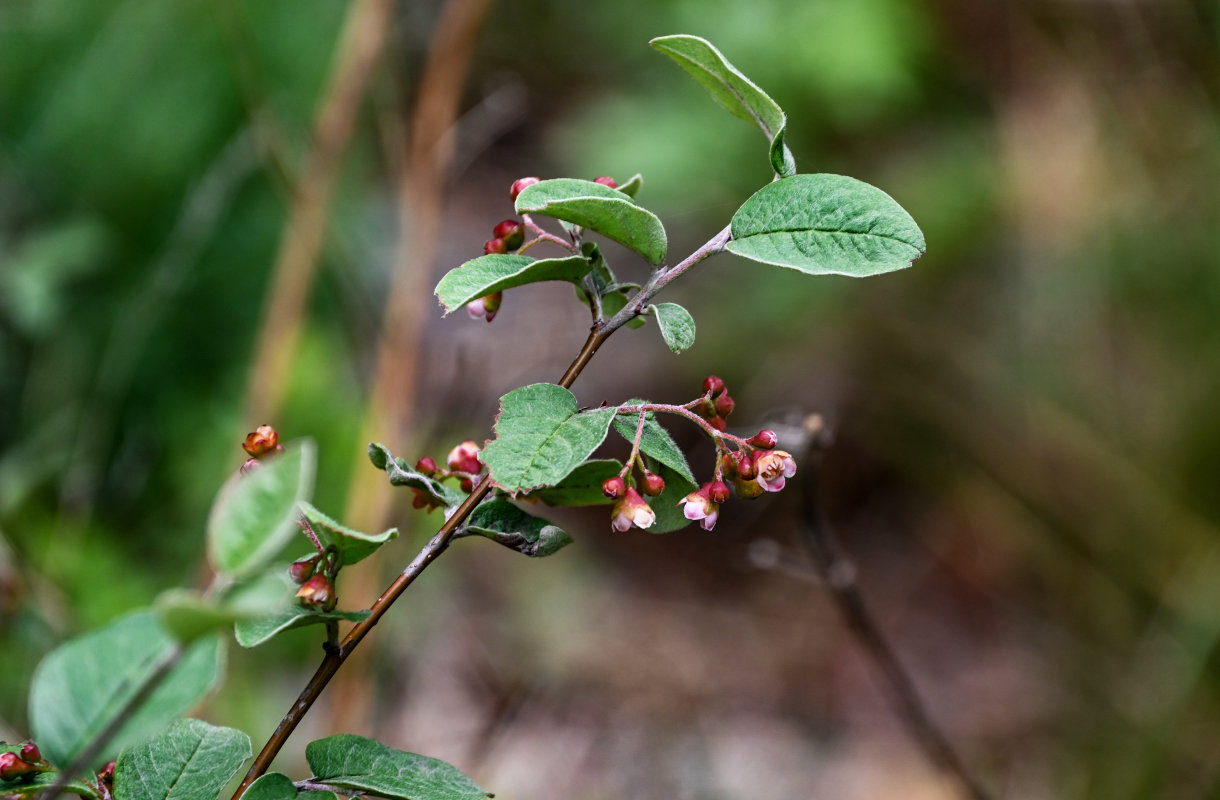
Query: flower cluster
(463, 463)
(316, 576)
(632, 509)
(23, 764)
(260, 443)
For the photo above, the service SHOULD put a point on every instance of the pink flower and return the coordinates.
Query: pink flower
(465, 458)
(632, 510)
(774, 468)
(485, 307)
(699, 505)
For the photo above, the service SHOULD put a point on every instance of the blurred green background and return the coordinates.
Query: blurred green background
(1027, 440)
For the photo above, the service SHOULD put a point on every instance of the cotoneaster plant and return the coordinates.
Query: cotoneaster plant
(117, 693)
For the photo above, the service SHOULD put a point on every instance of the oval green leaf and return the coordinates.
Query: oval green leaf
(352, 545)
(501, 521)
(676, 324)
(81, 686)
(190, 760)
(599, 208)
(255, 514)
(826, 224)
(542, 436)
(353, 762)
(272, 786)
(254, 631)
(488, 274)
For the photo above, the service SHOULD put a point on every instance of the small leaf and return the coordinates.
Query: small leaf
(352, 545)
(253, 632)
(402, 475)
(666, 505)
(727, 86)
(542, 436)
(631, 186)
(598, 208)
(583, 486)
(354, 762)
(191, 760)
(35, 785)
(655, 440)
(826, 224)
(82, 685)
(488, 274)
(676, 324)
(501, 521)
(271, 786)
(255, 514)
(782, 160)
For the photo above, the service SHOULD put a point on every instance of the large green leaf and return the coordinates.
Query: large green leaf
(402, 475)
(826, 224)
(254, 631)
(488, 274)
(541, 436)
(501, 521)
(255, 514)
(582, 486)
(598, 208)
(365, 765)
(655, 441)
(352, 545)
(676, 324)
(82, 685)
(191, 760)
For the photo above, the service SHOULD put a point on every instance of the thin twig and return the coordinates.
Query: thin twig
(839, 575)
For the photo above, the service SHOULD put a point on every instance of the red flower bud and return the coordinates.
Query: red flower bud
(318, 593)
(653, 484)
(511, 232)
(301, 571)
(764, 439)
(725, 404)
(605, 180)
(495, 246)
(718, 491)
(424, 500)
(106, 776)
(465, 458)
(614, 487)
(12, 767)
(519, 186)
(30, 753)
(426, 466)
(747, 469)
(713, 384)
(263, 440)
(466, 485)
(718, 423)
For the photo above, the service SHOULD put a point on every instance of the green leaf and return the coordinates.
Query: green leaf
(82, 685)
(187, 615)
(501, 521)
(255, 631)
(254, 515)
(655, 440)
(35, 785)
(631, 186)
(354, 762)
(271, 786)
(782, 160)
(583, 486)
(826, 224)
(352, 545)
(488, 274)
(402, 475)
(666, 504)
(676, 324)
(541, 436)
(598, 208)
(190, 760)
(727, 86)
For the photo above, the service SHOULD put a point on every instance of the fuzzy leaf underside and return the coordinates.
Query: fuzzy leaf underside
(541, 437)
(402, 475)
(676, 324)
(253, 632)
(502, 521)
(347, 761)
(826, 224)
(496, 272)
(599, 208)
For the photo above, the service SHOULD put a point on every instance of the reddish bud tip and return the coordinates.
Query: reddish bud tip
(614, 487)
(652, 485)
(718, 491)
(519, 186)
(606, 180)
(426, 466)
(263, 440)
(725, 404)
(301, 571)
(494, 246)
(30, 753)
(713, 384)
(718, 423)
(747, 469)
(12, 767)
(764, 439)
(106, 776)
(511, 232)
(318, 593)
(467, 485)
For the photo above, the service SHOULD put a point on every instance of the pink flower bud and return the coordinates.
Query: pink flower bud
(698, 505)
(614, 487)
(718, 491)
(465, 458)
(303, 570)
(519, 186)
(713, 384)
(106, 776)
(653, 484)
(631, 510)
(263, 440)
(606, 181)
(318, 594)
(498, 246)
(725, 404)
(424, 500)
(774, 468)
(511, 232)
(251, 464)
(30, 753)
(718, 423)
(12, 767)
(746, 468)
(764, 439)
(426, 466)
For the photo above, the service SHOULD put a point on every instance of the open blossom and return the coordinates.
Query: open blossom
(698, 505)
(774, 468)
(632, 510)
(465, 458)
